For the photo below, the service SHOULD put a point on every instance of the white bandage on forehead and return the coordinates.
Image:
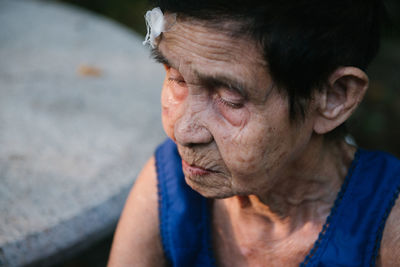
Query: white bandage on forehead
(157, 23)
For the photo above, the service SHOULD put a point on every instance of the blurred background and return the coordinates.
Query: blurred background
(375, 125)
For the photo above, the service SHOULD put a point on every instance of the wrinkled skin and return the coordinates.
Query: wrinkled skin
(244, 138)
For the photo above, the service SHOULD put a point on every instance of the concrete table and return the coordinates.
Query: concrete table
(79, 116)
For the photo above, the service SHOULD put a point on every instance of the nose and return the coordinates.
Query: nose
(190, 128)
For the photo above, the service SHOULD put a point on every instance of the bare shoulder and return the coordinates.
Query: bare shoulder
(390, 245)
(137, 240)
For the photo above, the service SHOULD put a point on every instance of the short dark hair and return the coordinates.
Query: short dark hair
(304, 41)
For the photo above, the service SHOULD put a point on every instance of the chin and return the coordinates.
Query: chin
(209, 191)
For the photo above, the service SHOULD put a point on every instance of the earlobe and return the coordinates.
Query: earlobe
(339, 98)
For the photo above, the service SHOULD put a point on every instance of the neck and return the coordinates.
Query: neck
(305, 191)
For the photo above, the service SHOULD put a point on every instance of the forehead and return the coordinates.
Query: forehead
(193, 46)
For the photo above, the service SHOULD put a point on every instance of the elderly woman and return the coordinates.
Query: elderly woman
(257, 171)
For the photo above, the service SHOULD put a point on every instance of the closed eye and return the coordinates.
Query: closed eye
(230, 104)
(180, 82)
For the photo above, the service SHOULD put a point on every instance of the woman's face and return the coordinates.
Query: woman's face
(220, 106)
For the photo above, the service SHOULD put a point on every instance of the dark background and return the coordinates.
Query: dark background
(375, 125)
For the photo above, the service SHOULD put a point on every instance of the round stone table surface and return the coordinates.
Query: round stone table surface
(79, 116)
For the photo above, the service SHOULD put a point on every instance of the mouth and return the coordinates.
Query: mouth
(195, 170)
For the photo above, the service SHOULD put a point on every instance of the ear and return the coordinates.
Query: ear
(340, 96)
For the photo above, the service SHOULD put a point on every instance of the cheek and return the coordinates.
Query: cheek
(236, 117)
(256, 161)
(258, 149)
(247, 152)
(172, 106)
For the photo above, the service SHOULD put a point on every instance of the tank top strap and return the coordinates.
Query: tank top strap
(353, 231)
(184, 213)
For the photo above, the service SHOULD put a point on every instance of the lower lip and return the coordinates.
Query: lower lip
(193, 170)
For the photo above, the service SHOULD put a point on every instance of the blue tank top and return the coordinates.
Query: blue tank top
(351, 235)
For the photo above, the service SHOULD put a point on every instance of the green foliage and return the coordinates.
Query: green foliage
(128, 12)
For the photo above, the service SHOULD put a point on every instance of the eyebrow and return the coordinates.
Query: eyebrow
(211, 81)
(218, 81)
(159, 57)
